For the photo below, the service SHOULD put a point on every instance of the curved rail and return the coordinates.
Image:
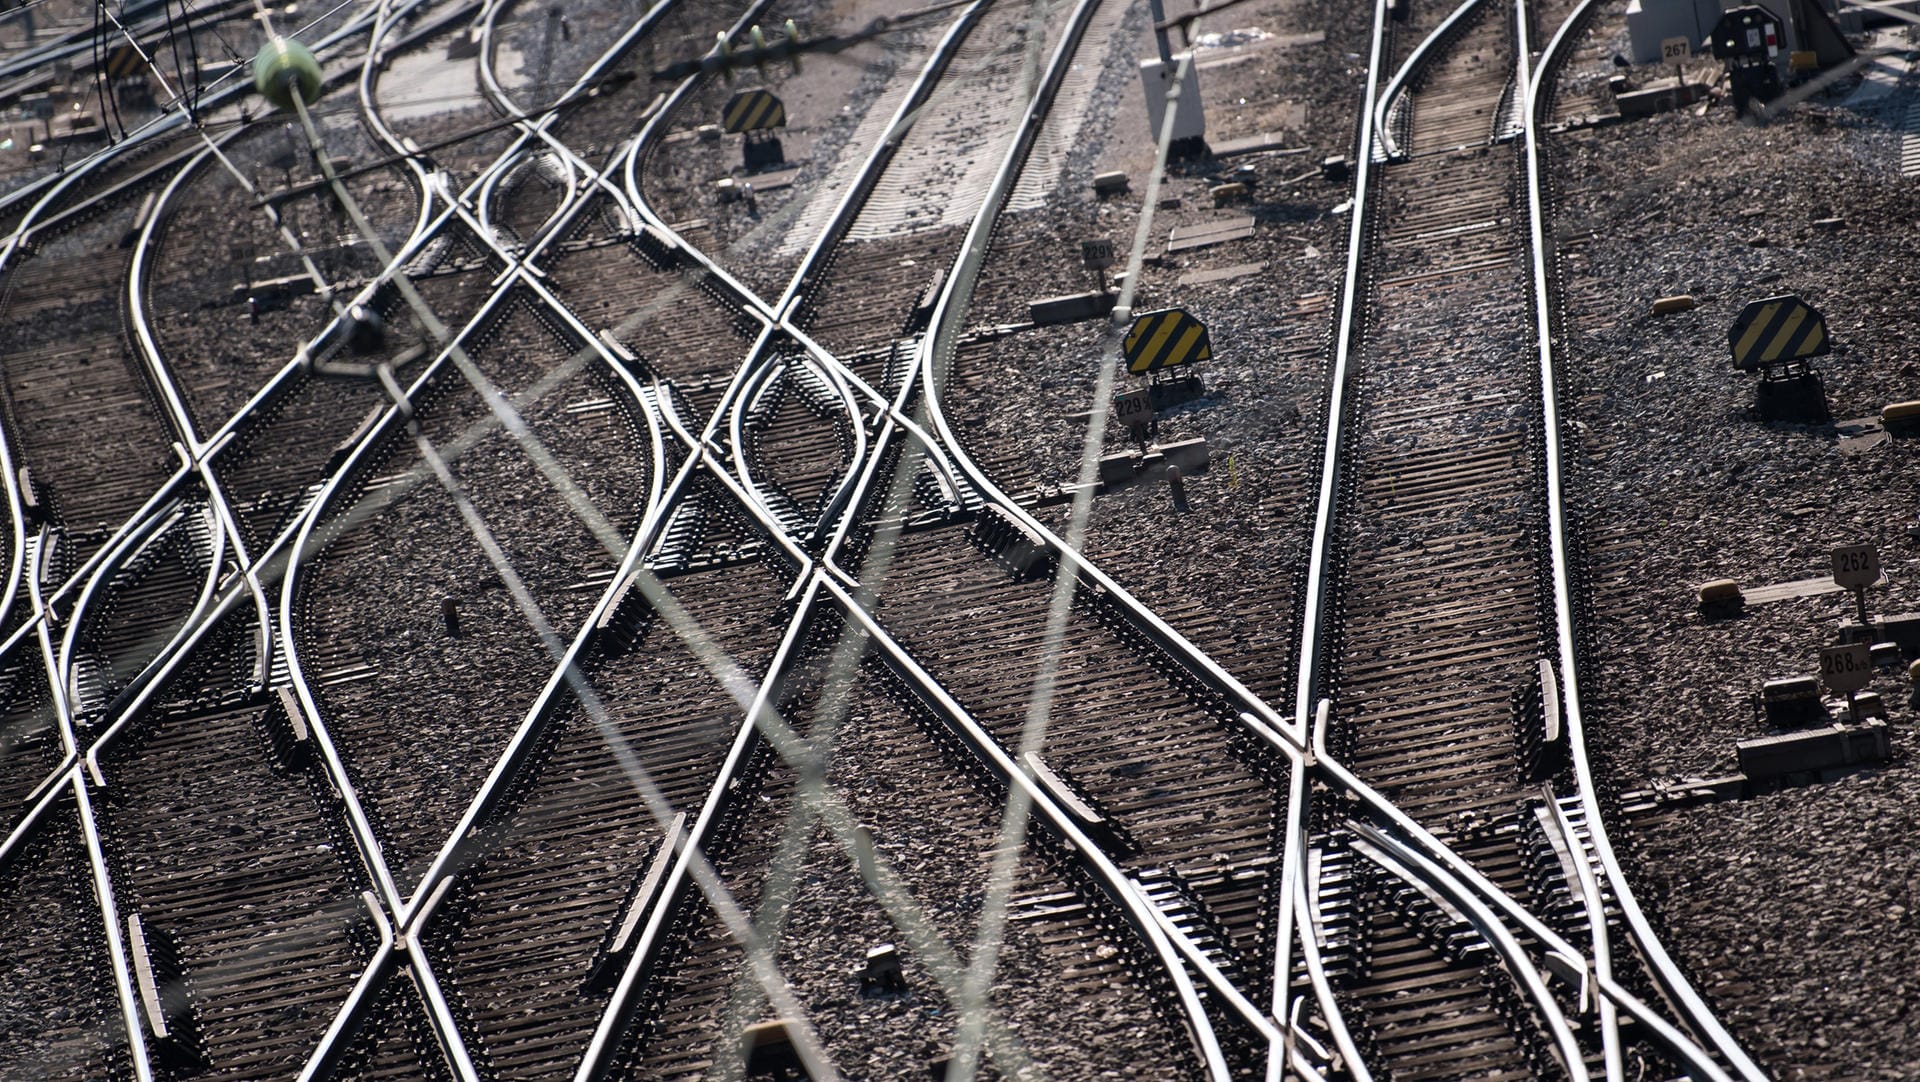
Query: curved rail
(1416, 60)
(1331, 479)
(740, 392)
(1672, 981)
(161, 125)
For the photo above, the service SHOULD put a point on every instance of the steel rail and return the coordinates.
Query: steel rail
(973, 251)
(1440, 36)
(1297, 894)
(845, 211)
(60, 670)
(576, 165)
(782, 311)
(375, 59)
(334, 1041)
(1610, 1045)
(38, 804)
(26, 639)
(1266, 725)
(297, 533)
(99, 585)
(172, 413)
(974, 247)
(1665, 971)
(1263, 721)
(199, 450)
(366, 839)
(1352, 285)
(1355, 1064)
(17, 526)
(653, 524)
(303, 542)
(691, 864)
(518, 271)
(1258, 718)
(247, 576)
(123, 980)
(60, 675)
(1332, 467)
(1407, 863)
(1133, 904)
(1332, 473)
(163, 124)
(763, 381)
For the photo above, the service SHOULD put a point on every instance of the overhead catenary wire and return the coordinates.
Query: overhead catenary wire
(828, 806)
(760, 957)
(1032, 741)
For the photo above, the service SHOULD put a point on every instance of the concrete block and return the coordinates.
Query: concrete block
(1072, 308)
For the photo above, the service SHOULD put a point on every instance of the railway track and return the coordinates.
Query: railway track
(215, 780)
(70, 369)
(761, 670)
(592, 413)
(1438, 614)
(1444, 609)
(714, 828)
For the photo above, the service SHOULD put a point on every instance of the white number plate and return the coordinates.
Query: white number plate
(1846, 668)
(1134, 408)
(1855, 566)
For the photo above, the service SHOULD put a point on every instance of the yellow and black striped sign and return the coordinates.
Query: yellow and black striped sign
(754, 110)
(122, 61)
(1165, 339)
(1777, 330)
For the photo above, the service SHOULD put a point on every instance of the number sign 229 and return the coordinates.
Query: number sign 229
(1134, 408)
(1846, 668)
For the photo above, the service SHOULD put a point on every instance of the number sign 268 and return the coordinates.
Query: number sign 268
(1846, 668)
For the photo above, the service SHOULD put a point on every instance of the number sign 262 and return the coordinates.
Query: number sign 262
(1855, 566)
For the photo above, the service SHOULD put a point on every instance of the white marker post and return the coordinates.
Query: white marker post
(1675, 51)
(1097, 255)
(1857, 567)
(1135, 410)
(1847, 669)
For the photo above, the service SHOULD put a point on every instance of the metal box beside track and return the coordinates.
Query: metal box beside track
(1770, 757)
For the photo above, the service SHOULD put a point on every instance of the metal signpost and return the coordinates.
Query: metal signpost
(1847, 669)
(1857, 567)
(1097, 256)
(1675, 51)
(756, 113)
(1135, 410)
(1778, 337)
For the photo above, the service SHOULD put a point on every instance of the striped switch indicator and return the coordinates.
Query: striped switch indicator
(1777, 330)
(754, 110)
(1165, 339)
(123, 61)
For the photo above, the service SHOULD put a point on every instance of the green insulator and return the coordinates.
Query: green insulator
(283, 62)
